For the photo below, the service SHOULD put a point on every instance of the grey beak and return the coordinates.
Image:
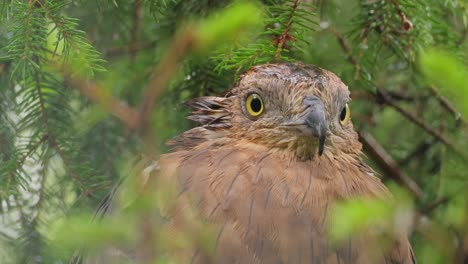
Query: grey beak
(316, 119)
(313, 120)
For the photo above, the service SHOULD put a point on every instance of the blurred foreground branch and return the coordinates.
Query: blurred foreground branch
(163, 72)
(198, 36)
(125, 113)
(132, 118)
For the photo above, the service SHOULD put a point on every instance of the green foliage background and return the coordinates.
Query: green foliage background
(405, 63)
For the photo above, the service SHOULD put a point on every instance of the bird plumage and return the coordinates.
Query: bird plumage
(264, 185)
(261, 180)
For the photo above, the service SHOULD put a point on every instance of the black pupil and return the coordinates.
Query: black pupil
(256, 105)
(343, 114)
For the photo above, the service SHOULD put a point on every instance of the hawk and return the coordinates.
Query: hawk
(266, 164)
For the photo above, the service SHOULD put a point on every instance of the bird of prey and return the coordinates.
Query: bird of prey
(266, 164)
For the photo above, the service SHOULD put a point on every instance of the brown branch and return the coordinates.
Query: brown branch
(418, 151)
(280, 42)
(163, 72)
(137, 14)
(388, 164)
(101, 97)
(406, 23)
(383, 95)
(124, 50)
(429, 208)
(132, 118)
(400, 96)
(362, 95)
(462, 38)
(394, 95)
(344, 46)
(442, 200)
(347, 50)
(444, 102)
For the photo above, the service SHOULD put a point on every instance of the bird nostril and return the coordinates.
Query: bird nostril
(304, 108)
(310, 100)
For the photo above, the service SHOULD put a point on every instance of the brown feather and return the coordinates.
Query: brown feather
(263, 188)
(276, 208)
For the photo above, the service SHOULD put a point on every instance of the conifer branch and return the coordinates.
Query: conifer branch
(52, 141)
(291, 16)
(414, 119)
(406, 23)
(280, 41)
(51, 134)
(383, 95)
(68, 165)
(20, 163)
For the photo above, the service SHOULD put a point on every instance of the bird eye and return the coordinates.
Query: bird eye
(254, 105)
(345, 115)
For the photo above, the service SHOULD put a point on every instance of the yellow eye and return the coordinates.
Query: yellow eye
(254, 105)
(345, 115)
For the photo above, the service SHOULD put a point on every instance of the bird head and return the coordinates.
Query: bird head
(293, 108)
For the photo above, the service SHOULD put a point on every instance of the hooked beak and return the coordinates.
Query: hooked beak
(312, 121)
